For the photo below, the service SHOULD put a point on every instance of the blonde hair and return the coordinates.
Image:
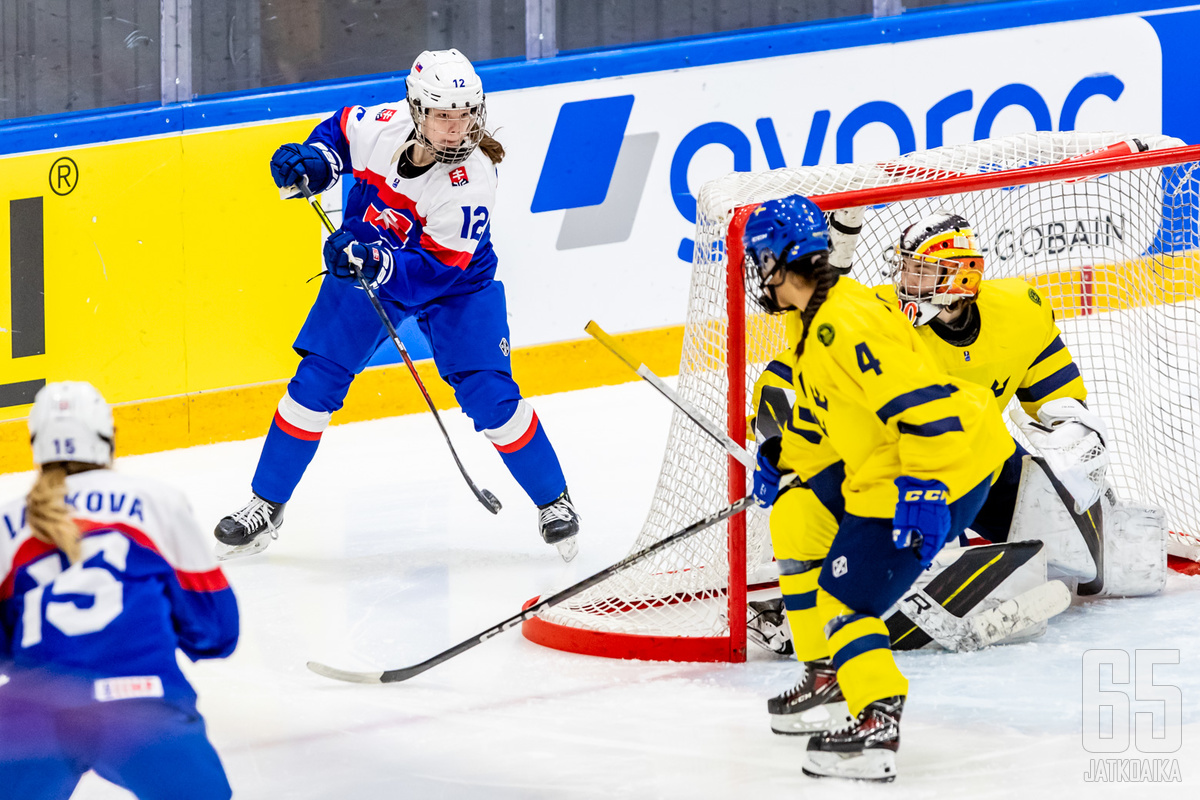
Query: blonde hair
(47, 512)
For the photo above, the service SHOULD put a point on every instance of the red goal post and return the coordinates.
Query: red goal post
(1106, 225)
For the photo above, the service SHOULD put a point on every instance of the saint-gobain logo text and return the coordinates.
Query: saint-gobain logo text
(1066, 237)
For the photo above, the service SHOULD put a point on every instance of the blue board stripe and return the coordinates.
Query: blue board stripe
(77, 129)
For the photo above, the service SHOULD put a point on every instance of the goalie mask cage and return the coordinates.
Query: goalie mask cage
(1107, 234)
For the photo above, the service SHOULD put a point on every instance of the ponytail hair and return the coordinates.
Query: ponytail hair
(47, 512)
(823, 275)
(491, 148)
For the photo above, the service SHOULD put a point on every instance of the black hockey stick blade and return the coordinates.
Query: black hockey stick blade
(404, 673)
(489, 500)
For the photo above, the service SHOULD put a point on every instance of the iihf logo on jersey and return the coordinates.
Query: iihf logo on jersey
(458, 176)
(504, 348)
(385, 115)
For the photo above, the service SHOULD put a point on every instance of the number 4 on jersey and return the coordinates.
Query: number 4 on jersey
(866, 359)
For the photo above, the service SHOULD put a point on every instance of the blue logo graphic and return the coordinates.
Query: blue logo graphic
(596, 171)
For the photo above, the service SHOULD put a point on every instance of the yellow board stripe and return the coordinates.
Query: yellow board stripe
(245, 412)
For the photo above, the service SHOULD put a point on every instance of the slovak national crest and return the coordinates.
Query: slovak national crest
(458, 176)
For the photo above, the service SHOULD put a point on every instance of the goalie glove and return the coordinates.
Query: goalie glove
(1071, 439)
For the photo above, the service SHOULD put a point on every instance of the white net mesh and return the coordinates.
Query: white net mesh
(1114, 254)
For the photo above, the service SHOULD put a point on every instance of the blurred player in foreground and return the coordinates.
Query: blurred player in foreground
(105, 576)
(418, 220)
(919, 450)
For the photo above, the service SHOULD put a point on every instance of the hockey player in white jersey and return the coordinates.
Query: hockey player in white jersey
(419, 221)
(105, 575)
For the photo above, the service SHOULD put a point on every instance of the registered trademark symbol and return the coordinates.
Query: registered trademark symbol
(64, 176)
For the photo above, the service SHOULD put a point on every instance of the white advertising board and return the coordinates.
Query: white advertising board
(596, 203)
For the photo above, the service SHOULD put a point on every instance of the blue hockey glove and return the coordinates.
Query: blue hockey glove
(374, 260)
(766, 471)
(292, 162)
(922, 521)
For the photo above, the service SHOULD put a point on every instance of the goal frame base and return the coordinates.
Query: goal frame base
(629, 646)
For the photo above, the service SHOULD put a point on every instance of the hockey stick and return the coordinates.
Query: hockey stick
(977, 631)
(690, 411)
(489, 500)
(404, 673)
(953, 633)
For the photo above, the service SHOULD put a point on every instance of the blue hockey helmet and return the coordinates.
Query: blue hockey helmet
(780, 234)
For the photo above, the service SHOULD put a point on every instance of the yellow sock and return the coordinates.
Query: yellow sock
(862, 654)
(800, 601)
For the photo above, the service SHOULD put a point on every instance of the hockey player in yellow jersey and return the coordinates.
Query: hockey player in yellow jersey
(937, 281)
(938, 285)
(920, 450)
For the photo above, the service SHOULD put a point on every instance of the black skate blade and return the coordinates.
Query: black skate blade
(888, 779)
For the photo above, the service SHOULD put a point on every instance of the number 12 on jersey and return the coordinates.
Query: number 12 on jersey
(480, 215)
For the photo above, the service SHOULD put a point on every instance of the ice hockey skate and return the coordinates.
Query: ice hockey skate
(248, 530)
(558, 523)
(767, 626)
(864, 752)
(814, 705)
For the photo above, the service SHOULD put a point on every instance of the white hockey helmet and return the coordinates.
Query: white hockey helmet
(71, 422)
(445, 80)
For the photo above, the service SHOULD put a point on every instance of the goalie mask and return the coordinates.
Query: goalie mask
(71, 422)
(445, 98)
(788, 235)
(936, 264)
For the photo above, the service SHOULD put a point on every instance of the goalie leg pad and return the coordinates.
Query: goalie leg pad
(1135, 551)
(1041, 514)
(969, 580)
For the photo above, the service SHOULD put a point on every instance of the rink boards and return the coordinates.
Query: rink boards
(149, 252)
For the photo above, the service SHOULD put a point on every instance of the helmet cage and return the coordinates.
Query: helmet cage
(455, 154)
(939, 272)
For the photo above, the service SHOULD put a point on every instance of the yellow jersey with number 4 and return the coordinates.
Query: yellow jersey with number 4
(877, 394)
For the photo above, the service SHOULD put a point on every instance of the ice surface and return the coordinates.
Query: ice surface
(386, 559)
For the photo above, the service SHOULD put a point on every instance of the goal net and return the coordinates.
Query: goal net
(1105, 225)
